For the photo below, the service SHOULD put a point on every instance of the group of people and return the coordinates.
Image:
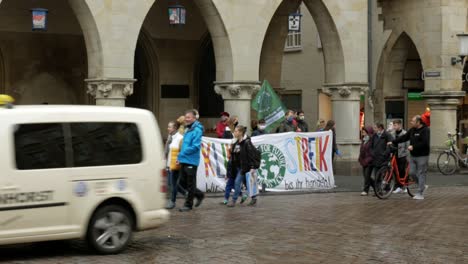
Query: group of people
(412, 146)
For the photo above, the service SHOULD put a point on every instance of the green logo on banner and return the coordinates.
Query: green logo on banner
(272, 167)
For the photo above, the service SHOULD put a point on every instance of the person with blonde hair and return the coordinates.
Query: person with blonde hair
(231, 125)
(321, 124)
(172, 148)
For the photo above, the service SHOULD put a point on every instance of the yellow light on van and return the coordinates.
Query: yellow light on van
(6, 99)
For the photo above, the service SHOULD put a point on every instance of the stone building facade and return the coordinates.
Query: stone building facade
(119, 52)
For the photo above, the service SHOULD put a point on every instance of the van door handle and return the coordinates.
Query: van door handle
(9, 188)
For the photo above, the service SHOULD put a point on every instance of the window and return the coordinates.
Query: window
(39, 146)
(44, 146)
(294, 39)
(101, 144)
(292, 101)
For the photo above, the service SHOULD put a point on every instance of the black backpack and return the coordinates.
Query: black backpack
(256, 155)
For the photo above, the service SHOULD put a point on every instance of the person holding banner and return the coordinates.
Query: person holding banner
(288, 124)
(242, 162)
(258, 127)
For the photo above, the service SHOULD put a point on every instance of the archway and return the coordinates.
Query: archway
(209, 102)
(45, 66)
(146, 88)
(399, 82)
(298, 80)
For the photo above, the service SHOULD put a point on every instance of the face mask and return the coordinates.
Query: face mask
(366, 138)
(301, 117)
(261, 127)
(290, 118)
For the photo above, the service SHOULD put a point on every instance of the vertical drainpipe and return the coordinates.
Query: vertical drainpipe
(370, 109)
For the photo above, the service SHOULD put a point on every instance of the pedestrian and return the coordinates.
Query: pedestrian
(172, 151)
(189, 158)
(231, 124)
(321, 125)
(302, 125)
(258, 127)
(365, 159)
(401, 154)
(380, 152)
(288, 124)
(419, 148)
(222, 124)
(331, 126)
(242, 161)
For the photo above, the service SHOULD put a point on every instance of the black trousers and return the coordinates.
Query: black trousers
(368, 181)
(188, 174)
(401, 162)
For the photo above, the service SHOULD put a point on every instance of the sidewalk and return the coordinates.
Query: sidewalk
(434, 179)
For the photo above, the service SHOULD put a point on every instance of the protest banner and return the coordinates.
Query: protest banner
(290, 161)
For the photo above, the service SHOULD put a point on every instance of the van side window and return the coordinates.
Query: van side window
(101, 144)
(39, 146)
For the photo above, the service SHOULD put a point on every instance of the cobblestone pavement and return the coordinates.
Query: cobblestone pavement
(308, 228)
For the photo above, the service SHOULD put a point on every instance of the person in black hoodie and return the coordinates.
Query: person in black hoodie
(380, 153)
(419, 147)
(242, 161)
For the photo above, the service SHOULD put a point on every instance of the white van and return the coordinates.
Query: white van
(88, 172)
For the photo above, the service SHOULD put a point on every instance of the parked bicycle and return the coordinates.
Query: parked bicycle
(387, 176)
(451, 159)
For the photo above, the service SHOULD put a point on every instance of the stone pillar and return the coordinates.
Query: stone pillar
(443, 105)
(110, 92)
(237, 98)
(346, 107)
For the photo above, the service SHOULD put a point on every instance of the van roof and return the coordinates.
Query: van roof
(73, 109)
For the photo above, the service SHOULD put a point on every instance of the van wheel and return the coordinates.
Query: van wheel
(110, 229)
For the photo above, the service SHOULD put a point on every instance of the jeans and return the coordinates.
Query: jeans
(240, 178)
(401, 162)
(229, 186)
(175, 185)
(418, 170)
(188, 174)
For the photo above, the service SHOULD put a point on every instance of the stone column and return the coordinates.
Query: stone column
(346, 107)
(110, 92)
(443, 105)
(237, 98)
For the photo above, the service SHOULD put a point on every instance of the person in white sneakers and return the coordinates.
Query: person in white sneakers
(402, 153)
(419, 148)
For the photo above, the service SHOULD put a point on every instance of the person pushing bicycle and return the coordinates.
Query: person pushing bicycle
(402, 152)
(419, 147)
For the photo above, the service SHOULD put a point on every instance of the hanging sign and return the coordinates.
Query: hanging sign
(39, 19)
(294, 22)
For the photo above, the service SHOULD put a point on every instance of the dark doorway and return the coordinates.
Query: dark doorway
(210, 103)
(140, 97)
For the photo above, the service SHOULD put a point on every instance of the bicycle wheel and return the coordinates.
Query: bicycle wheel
(447, 163)
(412, 187)
(384, 183)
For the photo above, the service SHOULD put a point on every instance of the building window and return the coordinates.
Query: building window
(294, 39)
(292, 99)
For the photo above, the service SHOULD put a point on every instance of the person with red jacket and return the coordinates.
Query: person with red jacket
(365, 158)
(222, 124)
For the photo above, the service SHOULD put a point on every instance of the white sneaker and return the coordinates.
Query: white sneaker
(364, 194)
(405, 190)
(418, 197)
(398, 190)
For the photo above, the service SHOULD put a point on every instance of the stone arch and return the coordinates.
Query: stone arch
(2, 72)
(91, 36)
(273, 44)
(392, 67)
(150, 84)
(219, 38)
(207, 101)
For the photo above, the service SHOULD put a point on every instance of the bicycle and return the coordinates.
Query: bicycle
(449, 161)
(386, 177)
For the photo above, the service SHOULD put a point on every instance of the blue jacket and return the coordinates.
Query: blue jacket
(190, 151)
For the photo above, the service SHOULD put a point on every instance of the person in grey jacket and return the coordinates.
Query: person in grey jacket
(402, 153)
